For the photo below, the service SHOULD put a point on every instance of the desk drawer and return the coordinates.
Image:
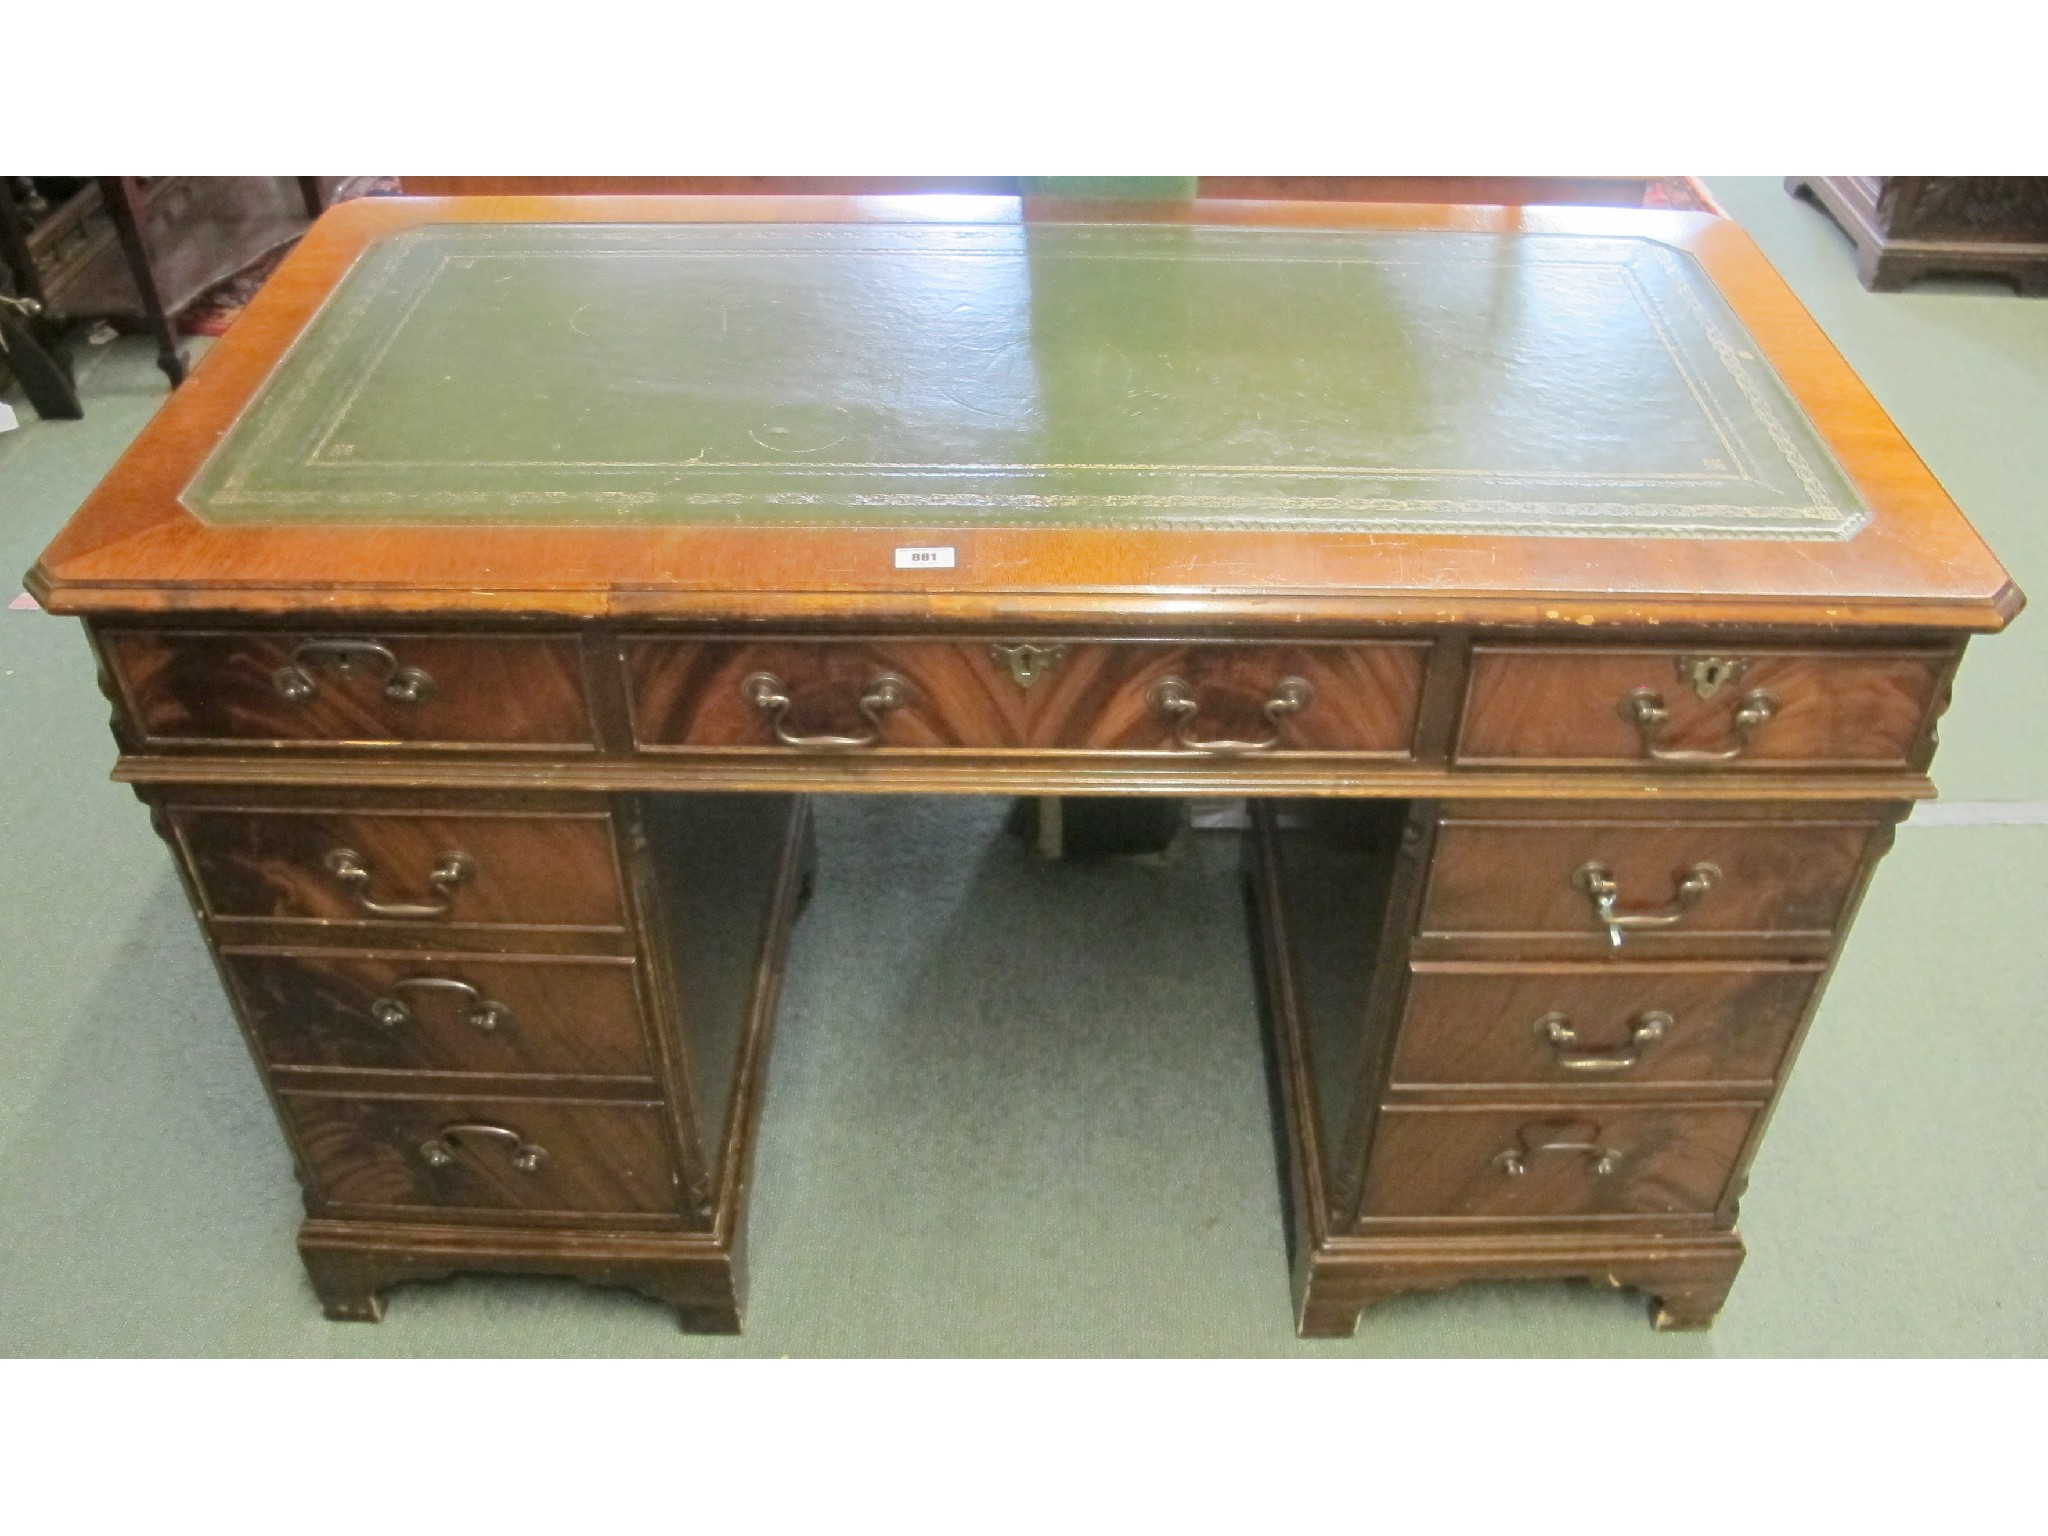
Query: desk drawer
(198, 687)
(839, 696)
(1564, 1161)
(1600, 1025)
(1666, 708)
(377, 1154)
(443, 1013)
(432, 869)
(1661, 883)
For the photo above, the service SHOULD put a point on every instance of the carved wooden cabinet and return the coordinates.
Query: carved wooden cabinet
(1909, 227)
(481, 617)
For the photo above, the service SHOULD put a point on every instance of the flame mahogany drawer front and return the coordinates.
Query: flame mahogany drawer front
(1755, 709)
(1599, 1025)
(996, 695)
(486, 1154)
(1637, 885)
(360, 690)
(1558, 1161)
(439, 868)
(445, 1013)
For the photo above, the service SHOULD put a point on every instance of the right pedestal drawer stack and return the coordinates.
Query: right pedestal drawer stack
(1594, 1009)
(1531, 1033)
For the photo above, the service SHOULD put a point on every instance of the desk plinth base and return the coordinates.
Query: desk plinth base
(350, 1263)
(1336, 1279)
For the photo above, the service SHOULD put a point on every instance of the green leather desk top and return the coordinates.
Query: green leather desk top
(1092, 375)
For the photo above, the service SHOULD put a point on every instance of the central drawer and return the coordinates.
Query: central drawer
(1224, 699)
(430, 868)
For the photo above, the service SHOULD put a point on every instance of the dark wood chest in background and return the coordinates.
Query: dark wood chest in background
(1910, 227)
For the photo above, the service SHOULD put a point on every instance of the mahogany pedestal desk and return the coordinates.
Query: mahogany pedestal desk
(480, 616)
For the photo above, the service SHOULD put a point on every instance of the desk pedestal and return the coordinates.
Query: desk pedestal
(1537, 1040)
(506, 1032)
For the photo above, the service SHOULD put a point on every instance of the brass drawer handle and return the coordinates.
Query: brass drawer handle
(1173, 698)
(1598, 882)
(346, 865)
(485, 1014)
(765, 691)
(1644, 708)
(1534, 1140)
(1556, 1031)
(402, 685)
(439, 1151)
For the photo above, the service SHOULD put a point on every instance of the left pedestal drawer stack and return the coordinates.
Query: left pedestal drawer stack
(521, 1032)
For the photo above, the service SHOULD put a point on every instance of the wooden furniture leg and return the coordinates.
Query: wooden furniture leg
(44, 378)
(124, 207)
(27, 337)
(14, 249)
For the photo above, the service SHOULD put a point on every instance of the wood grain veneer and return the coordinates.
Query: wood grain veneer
(364, 1156)
(187, 687)
(1516, 879)
(1097, 697)
(1570, 708)
(532, 872)
(546, 1015)
(1723, 1025)
(1451, 1163)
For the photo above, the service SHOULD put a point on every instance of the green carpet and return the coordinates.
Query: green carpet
(1017, 1109)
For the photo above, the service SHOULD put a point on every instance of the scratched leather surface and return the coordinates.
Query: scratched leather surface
(1051, 375)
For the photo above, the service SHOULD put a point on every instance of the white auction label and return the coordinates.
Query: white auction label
(927, 557)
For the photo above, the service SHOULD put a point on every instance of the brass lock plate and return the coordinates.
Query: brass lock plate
(1027, 662)
(1708, 675)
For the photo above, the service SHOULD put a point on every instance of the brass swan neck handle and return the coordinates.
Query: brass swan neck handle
(1173, 698)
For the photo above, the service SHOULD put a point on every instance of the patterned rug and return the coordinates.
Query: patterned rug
(215, 310)
(1683, 193)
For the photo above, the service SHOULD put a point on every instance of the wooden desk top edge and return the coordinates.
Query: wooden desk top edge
(132, 548)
